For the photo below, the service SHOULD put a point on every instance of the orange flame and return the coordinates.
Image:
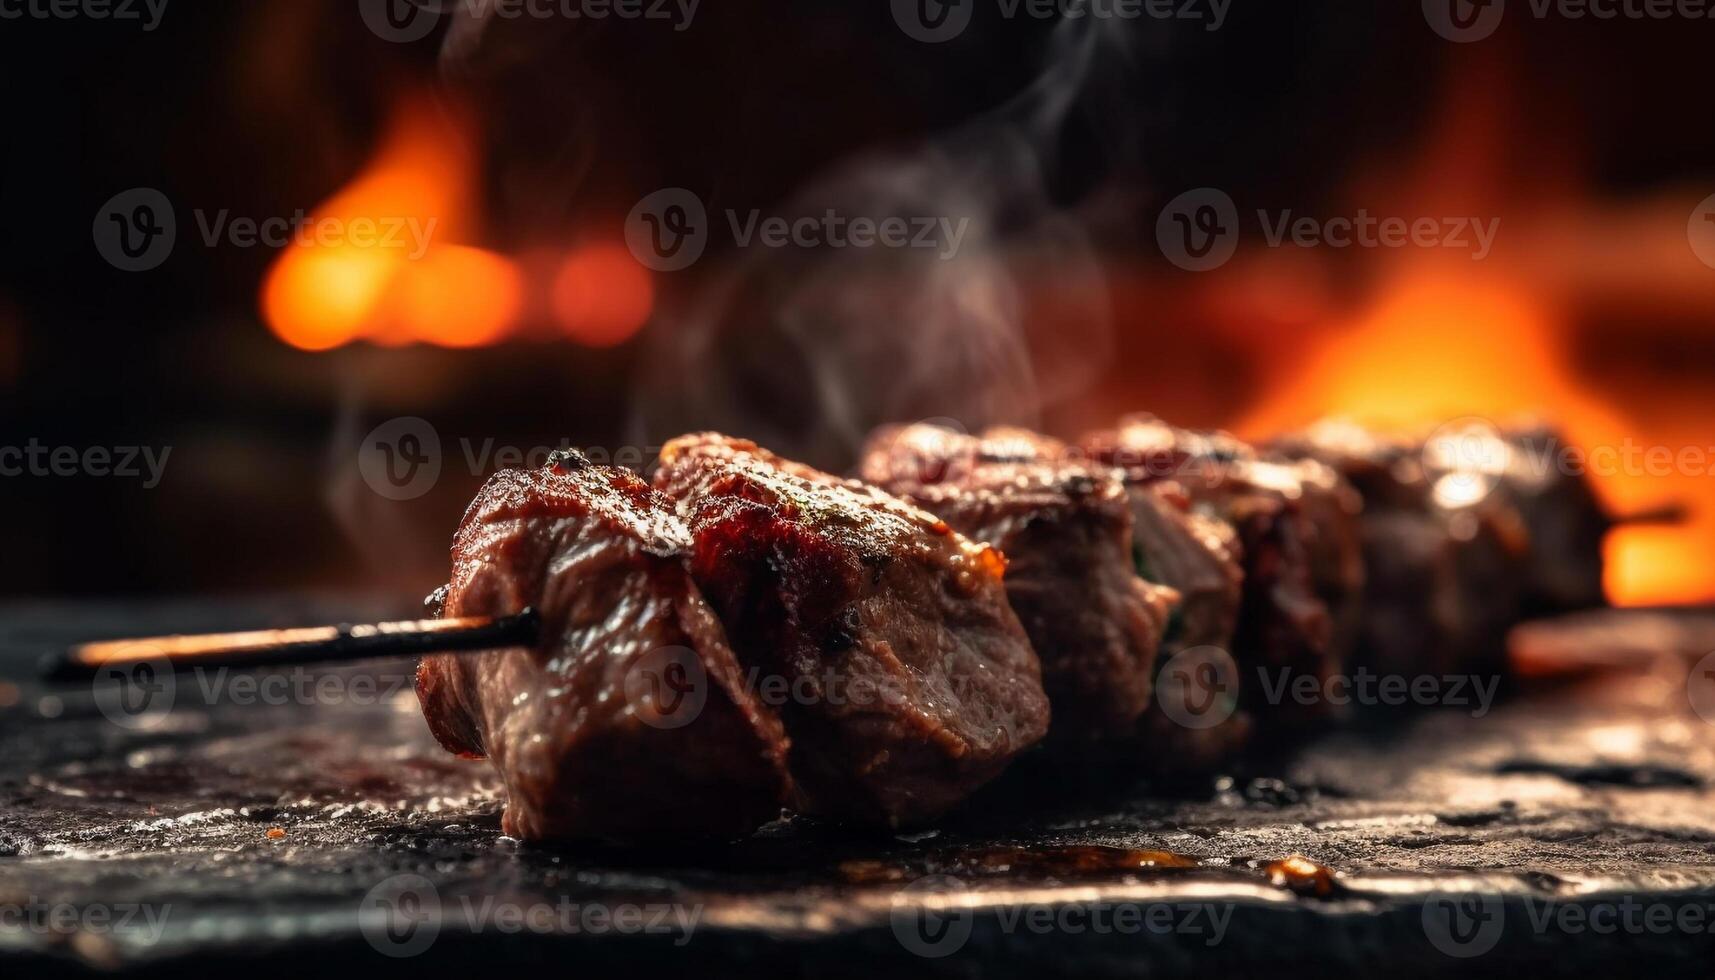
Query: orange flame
(1445, 338)
(1435, 347)
(377, 261)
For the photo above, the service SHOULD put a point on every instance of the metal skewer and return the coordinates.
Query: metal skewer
(1668, 514)
(297, 647)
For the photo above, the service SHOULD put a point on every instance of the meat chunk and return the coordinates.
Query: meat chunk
(631, 715)
(913, 682)
(1194, 553)
(1066, 530)
(1461, 540)
(1565, 522)
(1283, 624)
(1333, 511)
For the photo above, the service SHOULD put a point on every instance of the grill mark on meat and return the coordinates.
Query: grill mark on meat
(792, 556)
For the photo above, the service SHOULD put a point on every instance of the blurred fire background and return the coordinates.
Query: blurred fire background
(528, 322)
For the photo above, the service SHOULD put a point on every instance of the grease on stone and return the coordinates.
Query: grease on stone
(1302, 876)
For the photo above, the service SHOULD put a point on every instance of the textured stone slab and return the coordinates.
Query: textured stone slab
(1575, 825)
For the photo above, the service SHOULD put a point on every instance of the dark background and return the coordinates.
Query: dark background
(266, 107)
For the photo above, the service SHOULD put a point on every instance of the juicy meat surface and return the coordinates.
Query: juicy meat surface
(1194, 553)
(1333, 514)
(1462, 539)
(1198, 555)
(630, 716)
(1283, 623)
(1066, 531)
(912, 681)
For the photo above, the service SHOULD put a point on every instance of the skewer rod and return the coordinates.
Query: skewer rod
(298, 647)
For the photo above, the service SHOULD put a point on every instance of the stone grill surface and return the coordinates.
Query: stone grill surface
(256, 832)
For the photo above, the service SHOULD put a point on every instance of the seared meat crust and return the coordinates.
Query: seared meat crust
(1283, 621)
(631, 716)
(913, 681)
(1066, 530)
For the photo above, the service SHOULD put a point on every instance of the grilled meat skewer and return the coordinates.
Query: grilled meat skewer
(630, 626)
(1066, 529)
(1074, 576)
(827, 583)
(630, 715)
(1291, 567)
(1465, 533)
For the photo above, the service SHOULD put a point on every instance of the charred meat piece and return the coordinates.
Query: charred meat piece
(1333, 511)
(913, 682)
(631, 716)
(1464, 535)
(1066, 531)
(1565, 521)
(1283, 622)
(1195, 554)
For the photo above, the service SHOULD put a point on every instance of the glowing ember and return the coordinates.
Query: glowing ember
(601, 295)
